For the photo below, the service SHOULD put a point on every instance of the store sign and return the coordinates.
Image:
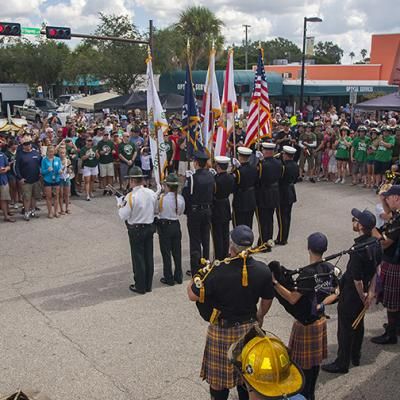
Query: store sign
(360, 89)
(197, 86)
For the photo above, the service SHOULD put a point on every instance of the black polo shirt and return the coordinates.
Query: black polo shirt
(224, 290)
(392, 253)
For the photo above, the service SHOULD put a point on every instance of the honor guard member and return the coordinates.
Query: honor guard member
(357, 290)
(137, 209)
(283, 138)
(244, 195)
(287, 194)
(198, 193)
(169, 207)
(234, 289)
(389, 274)
(270, 170)
(283, 379)
(221, 210)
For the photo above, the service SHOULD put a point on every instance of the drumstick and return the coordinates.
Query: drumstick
(359, 318)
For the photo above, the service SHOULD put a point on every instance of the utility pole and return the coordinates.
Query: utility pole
(246, 27)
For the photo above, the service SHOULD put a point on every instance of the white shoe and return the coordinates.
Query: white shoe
(337, 180)
(16, 206)
(343, 181)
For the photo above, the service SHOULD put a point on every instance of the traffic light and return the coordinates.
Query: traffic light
(57, 32)
(10, 29)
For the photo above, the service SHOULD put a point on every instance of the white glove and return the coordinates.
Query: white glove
(236, 162)
(259, 155)
(213, 171)
(120, 201)
(189, 173)
(159, 189)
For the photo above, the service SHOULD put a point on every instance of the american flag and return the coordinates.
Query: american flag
(259, 119)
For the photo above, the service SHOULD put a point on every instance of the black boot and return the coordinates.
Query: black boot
(219, 394)
(389, 337)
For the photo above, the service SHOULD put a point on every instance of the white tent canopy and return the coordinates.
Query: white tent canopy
(90, 102)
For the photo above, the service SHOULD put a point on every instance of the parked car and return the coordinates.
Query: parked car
(67, 98)
(34, 109)
(63, 112)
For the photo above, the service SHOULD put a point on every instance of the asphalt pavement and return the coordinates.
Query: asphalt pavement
(70, 327)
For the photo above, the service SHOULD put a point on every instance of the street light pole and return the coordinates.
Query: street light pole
(246, 48)
(303, 59)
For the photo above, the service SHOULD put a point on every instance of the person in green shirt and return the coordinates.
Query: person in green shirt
(105, 151)
(90, 162)
(359, 156)
(342, 145)
(383, 155)
(371, 150)
(127, 154)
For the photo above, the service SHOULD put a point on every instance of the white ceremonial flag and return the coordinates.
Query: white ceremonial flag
(158, 125)
(211, 107)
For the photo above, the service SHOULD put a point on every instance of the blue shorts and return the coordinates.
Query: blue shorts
(65, 183)
(381, 167)
(51, 184)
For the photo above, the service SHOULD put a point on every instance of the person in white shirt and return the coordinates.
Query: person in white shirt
(170, 206)
(137, 209)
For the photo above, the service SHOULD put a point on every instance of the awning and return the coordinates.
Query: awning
(391, 102)
(92, 102)
(174, 82)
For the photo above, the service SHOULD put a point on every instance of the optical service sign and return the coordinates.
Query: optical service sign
(360, 89)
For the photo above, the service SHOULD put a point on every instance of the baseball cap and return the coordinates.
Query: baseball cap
(393, 190)
(365, 218)
(317, 242)
(242, 235)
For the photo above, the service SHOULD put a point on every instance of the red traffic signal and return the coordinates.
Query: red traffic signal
(10, 29)
(57, 32)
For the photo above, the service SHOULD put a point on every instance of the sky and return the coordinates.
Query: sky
(349, 23)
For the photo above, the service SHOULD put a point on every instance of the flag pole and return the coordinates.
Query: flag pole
(233, 111)
(259, 107)
(155, 133)
(211, 138)
(187, 130)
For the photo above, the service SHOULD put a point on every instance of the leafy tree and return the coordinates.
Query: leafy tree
(352, 55)
(327, 53)
(120, 63)
(281, 48)
(363, 53)
(201, 27)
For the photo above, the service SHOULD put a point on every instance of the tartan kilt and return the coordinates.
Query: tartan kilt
(216, 368)
(308, 344)
(390, 277)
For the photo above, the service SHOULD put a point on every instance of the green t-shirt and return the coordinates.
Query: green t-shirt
(90, 162)
(107, 147)
(126, 150)
(382, 153)
(342, 151)
(168, 148)
(360, 146)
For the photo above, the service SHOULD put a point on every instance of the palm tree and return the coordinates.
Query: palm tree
(363, 53)
(352, 55)
(201, 27)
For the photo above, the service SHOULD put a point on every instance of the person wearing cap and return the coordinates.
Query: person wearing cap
(127, 154)
(308, 342)
(169, 207)
(90, 162)
(307, 144)
(27, 168)
(357, 290)
(358, 156)
(396, 147)
(98, 135)
(5, 197)
(198, 193)
(263, 362)
(233, 289)
(137, 210)
(389, 273)
(244, 197)
(105, 150)
(283, 138)
(221, 209)
(371, 150)
(270, 170)
(343, 145)
(287, 194)
(383, 155)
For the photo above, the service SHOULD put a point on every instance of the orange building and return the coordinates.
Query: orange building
(380, 75)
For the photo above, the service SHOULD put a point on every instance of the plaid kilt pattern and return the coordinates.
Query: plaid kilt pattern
(308, 344)
(216, 368)
(390, 277)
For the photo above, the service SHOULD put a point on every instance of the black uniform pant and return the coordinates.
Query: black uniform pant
(349, 339)
(284, 219)
(170, 237)
(266, 221)
(199, 225)
(243, 218)
(310, 381)
(220, 234)
(141, 242)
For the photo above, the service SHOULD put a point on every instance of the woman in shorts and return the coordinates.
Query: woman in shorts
(90, 166)
(371, 150)
(342, 145)
(67, 173)
(51, 170)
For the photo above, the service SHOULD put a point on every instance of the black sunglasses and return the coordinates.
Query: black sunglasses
(26, 143)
